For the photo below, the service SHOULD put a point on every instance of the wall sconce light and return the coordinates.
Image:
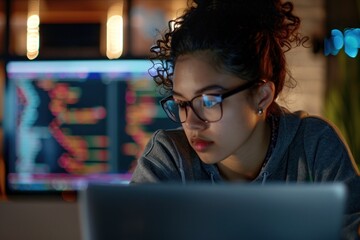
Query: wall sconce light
(33, 36)
(114, 31)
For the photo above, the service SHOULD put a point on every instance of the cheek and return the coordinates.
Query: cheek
(237, 121)
(238, 112)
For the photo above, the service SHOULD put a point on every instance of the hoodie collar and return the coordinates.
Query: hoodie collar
(288, 127)
(289, 124)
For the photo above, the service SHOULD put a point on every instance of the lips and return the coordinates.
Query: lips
(200, 145)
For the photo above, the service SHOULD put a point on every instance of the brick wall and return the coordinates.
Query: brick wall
(307, 68)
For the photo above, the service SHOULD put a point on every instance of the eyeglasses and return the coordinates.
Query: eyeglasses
(207, 107)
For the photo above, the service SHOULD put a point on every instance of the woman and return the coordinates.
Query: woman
(223, 64)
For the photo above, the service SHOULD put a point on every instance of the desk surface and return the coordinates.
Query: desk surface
(39, 219)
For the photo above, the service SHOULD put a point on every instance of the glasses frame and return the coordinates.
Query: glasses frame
(221, 96)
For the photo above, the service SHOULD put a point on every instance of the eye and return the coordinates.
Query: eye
(181, 104)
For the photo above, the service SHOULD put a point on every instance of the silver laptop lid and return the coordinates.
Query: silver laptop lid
(203, 211)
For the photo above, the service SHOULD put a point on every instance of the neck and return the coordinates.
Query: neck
(246, 164)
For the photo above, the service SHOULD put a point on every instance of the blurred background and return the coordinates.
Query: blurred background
(327, 85)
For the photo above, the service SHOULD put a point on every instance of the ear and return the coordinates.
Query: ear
(265, 95)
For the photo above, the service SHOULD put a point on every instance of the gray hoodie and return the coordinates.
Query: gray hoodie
(308, 149)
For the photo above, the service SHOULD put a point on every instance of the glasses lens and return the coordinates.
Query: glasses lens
(208, 107)
(173, 110)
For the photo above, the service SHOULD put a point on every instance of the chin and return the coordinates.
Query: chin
(208, 160)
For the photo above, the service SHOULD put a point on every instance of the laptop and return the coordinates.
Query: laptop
(204, 211)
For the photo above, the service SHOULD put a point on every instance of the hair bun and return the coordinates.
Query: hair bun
(207, 4)
(199, 2)
(259, 15)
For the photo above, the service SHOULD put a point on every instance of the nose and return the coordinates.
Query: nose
(193, 122)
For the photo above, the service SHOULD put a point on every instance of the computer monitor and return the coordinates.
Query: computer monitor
(71, 122)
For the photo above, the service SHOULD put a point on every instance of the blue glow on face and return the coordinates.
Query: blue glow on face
(349, 40)
(210, 101)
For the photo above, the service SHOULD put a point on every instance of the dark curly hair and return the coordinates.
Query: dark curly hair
(245, 38)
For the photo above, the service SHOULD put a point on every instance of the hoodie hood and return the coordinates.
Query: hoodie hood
(288, 127)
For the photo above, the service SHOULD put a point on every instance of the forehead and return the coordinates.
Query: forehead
(193, 65)
(206, 57)
(195, 71)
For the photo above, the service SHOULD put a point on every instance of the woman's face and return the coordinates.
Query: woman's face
(236, 132)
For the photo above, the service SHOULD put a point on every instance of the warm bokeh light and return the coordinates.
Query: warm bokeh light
(33, 36)
(114, 31)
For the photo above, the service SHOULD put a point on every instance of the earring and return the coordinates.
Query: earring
(260, 111)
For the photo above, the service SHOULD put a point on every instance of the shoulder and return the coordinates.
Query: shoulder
(319, 140)
(160, 161)
(169, 138)
(312, 132)
(320, 136)
(170, 133)
(301, 122)
(319, 127)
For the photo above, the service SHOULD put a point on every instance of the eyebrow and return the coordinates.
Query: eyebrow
(201, 90)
